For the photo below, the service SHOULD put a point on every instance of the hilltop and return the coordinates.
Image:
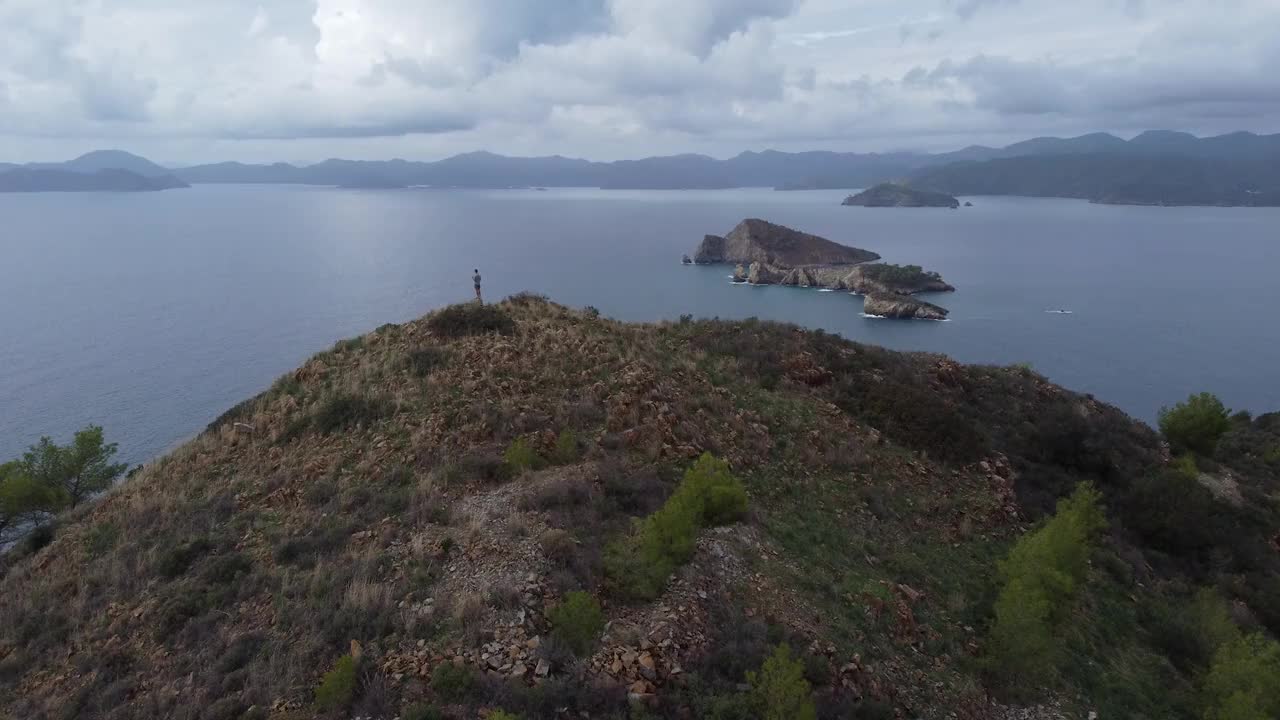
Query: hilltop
(406, 524)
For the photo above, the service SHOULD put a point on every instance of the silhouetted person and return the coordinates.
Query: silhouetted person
(476, 279)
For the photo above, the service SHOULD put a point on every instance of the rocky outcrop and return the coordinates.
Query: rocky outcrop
(892, 195)
(686, 260)
(892, 305)
(900, 279)
(776, 246)
(711, 251)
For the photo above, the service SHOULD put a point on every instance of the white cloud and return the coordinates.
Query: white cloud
(304, 79)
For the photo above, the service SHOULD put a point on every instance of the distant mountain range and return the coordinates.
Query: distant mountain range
(37, 179)
(1156, 167)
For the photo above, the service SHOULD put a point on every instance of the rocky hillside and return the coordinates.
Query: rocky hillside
(754, 240)
(442, 519)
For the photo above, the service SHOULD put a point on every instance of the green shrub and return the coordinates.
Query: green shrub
(344, 410)
(1244, 681)
(519, 457)
(502, 715)
(1196, 424)
(578, 622)
(639, 565)
(338, 686)
(101, 538)
(453, 682)
(178, 558)
(780, 690)
(423, 361)
(1173, 512)
(1185, 464)
(422, 711)
(1042, 576)
(1189, 633)
(721, 497)
(566, 450)
(466, 319)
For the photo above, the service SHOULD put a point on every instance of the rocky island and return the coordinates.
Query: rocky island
(894, 305)
(769, 254)
(893, 195)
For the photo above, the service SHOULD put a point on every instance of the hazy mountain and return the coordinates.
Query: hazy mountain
(1138, 178)
(33, 179)
(107, 160)
(1228, 170)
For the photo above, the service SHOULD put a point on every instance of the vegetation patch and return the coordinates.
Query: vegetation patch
(577, 622)
(639, 564)
(466, 319)
(338, 686)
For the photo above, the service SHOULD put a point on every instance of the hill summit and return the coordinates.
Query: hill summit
(528, 510)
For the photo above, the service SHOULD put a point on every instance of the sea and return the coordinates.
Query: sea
(151, 313)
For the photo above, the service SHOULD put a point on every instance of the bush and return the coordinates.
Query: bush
(519, 457)
(578, 622)
(422, 711)
(453, 682)
(101, 538)
(177, 559)
(1196, 424)
(502, 715)
(424, 360)
(338, 686)
(466, 319)
(780, 690)
(1244, 682)
(566, 450)
(708, 495)
(721, 497)
(1172, 511)
(345, 410)
(1042, 575)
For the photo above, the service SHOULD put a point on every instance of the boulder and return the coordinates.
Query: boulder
(686, 260)
(893, 305)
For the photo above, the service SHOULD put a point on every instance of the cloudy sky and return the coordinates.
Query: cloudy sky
(302, 80)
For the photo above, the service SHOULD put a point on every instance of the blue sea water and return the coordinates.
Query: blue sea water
(152, 313)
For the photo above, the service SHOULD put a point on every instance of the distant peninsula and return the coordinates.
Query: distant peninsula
(765, 253)
(27, 179)
(894, 195)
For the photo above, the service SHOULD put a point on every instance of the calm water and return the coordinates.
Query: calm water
(151, 313)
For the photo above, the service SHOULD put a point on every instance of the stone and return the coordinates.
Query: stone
(542, 669)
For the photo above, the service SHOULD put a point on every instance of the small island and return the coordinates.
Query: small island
(892, 305)
(767, 254)
(893, 195)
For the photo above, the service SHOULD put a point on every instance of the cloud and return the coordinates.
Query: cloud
(610, 77)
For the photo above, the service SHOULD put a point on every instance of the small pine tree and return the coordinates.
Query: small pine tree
(1244, 681)
(338, 686)
(1042, 575)
(780, 690)
(1195, 424)
(578, 621)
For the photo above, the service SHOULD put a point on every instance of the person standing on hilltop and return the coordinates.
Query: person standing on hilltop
(476, 279)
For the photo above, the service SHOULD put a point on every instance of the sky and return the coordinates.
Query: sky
(184, 82)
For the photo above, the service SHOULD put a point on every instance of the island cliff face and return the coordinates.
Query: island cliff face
(892, 195)
(755, 240)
